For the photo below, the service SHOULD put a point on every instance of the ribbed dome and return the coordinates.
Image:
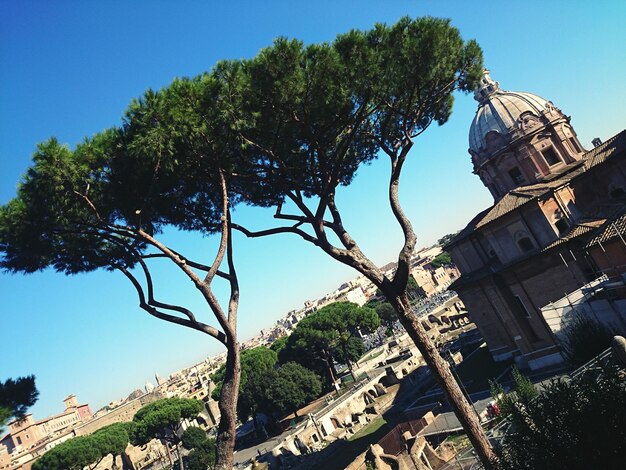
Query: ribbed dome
(498, 110)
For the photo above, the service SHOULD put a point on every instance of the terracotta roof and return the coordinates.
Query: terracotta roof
(606, 150)
(524, 194)
(611, 229)
(512, 200)
(578, 230)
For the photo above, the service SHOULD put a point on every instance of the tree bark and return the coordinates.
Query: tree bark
(179, 451)
(127, 463)
(225, 444)
(331, 367)
(441, 369)
(169, 453)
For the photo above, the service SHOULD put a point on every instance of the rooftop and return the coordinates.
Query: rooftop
(522, 195)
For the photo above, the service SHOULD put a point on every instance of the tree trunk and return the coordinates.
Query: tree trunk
(351, 369)
(331, 369)
(441, 369)
(179, 450)
(225, 444)
(127, 463)
(169, 453)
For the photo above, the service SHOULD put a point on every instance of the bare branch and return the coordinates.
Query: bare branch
(85, 198)
(233, 302)
(155, 303)
(207, 329)
(204, 288)
(193, 264)
(273, 231)
(404, 256)
(343, 235)
(224, 236)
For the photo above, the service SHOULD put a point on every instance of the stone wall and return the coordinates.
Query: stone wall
(120, 414)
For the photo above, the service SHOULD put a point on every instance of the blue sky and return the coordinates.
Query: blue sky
(69, 69)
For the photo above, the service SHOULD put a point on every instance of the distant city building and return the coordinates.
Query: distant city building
(557, 225)
(25, 434)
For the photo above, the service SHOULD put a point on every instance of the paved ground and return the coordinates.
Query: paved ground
(448, 422)
(243, 455)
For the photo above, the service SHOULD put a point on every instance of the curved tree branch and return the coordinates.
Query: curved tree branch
(193, 264)
(224, 234)
(143, 304)
(156, 303)
(401, 276)
(273, 231)
(204, 288)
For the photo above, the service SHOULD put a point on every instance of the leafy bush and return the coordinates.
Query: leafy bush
(193, 437)
(585, 339)
(523, 392)
(573, 425)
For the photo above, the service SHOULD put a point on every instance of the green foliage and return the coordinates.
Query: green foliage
(524, 391)
(113, 439)
(291, 386)
(193, 437)
(278, 345)
(322, 110)
(253, 396)
(201, 457)
(585, 339)
(329, 332)
(505, 402)
(295, 122)
(279, 390)
(574, 425)
(446, 239)
(387, 314)
(257, 359)
(161, 419)
(295, 386)
(16, 396)
(413, 287)
(442, 259)
(78, 452)
(352, 350)
(73, 454)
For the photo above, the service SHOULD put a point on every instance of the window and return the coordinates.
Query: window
(525, 244)
(561, 225)
(551, 156)
(516, 176)
(521, 306)
(19, 440)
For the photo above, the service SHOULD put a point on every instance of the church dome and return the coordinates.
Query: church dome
(499, 110)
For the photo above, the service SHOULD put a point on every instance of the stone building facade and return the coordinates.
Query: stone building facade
(536, 243)
(28, 434)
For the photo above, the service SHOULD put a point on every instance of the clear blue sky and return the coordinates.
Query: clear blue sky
(69, 69)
